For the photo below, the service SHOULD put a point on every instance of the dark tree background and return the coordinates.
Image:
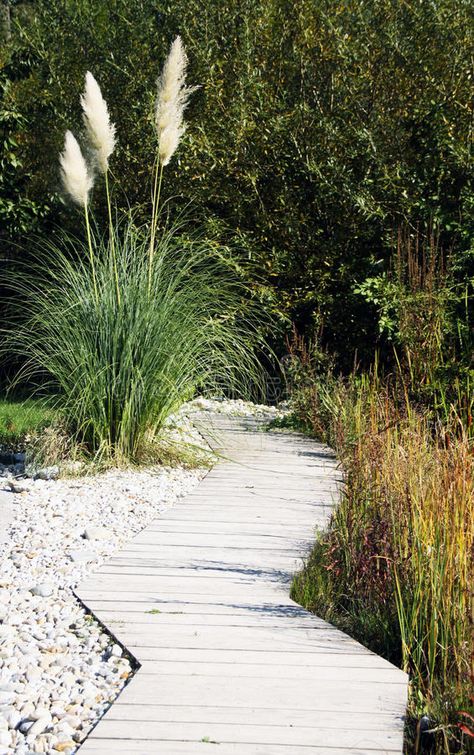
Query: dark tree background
(320, 128)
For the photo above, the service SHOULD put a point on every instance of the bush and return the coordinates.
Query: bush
(425, 312)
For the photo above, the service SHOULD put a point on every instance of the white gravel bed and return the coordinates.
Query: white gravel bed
(59, 671)
(239, 408)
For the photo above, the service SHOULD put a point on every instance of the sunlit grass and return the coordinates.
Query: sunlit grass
(20, 419)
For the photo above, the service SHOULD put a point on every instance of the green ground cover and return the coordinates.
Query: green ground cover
(21, 419)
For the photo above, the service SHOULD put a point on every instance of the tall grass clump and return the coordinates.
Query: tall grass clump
(395, 566)
(126, 323)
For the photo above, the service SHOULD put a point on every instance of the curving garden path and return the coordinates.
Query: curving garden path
(229, 664)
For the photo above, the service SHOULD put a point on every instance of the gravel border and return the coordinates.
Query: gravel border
(59, 669)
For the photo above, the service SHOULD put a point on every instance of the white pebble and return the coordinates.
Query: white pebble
(39, 726)
(44, 590)
(97, 533)
(58, 668)
(5, 738)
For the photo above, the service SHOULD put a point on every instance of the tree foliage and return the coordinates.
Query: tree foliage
(319, 129)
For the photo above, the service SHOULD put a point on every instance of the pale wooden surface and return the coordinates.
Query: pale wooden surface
(229, 664)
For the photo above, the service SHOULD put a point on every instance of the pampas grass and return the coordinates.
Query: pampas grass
(125, 334)
(77, 180)
(100, 129)
(101, 133)
(172, 99)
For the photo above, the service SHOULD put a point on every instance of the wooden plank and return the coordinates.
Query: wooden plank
(220, 714)
(136, 641)
(157, 620)
(319, 695)
(332, 673)
(169, 565)
(253, 540)
(160, 544)
(211, 527)
(213, 589)
(229, 640)
(195, 607)
(200, 598)
(96, 745)
(241, 637)
(263, 656)
(227, 733)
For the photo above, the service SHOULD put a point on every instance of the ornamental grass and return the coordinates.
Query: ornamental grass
(125, 323)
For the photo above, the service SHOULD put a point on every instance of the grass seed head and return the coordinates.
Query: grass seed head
(172, 99)
(96, 116)
(75, 175)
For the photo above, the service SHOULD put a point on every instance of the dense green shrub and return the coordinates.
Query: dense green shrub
(426, 313)
(320, 127)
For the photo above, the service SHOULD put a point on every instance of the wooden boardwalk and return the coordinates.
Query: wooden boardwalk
(229, 664)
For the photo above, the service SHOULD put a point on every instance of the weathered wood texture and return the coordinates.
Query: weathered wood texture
(201, 599)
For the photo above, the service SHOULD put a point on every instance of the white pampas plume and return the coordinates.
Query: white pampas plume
(76, 178)
(97, 121)
(171, 101)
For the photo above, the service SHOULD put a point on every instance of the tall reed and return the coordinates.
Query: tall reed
(171, 101)
(101, 133)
